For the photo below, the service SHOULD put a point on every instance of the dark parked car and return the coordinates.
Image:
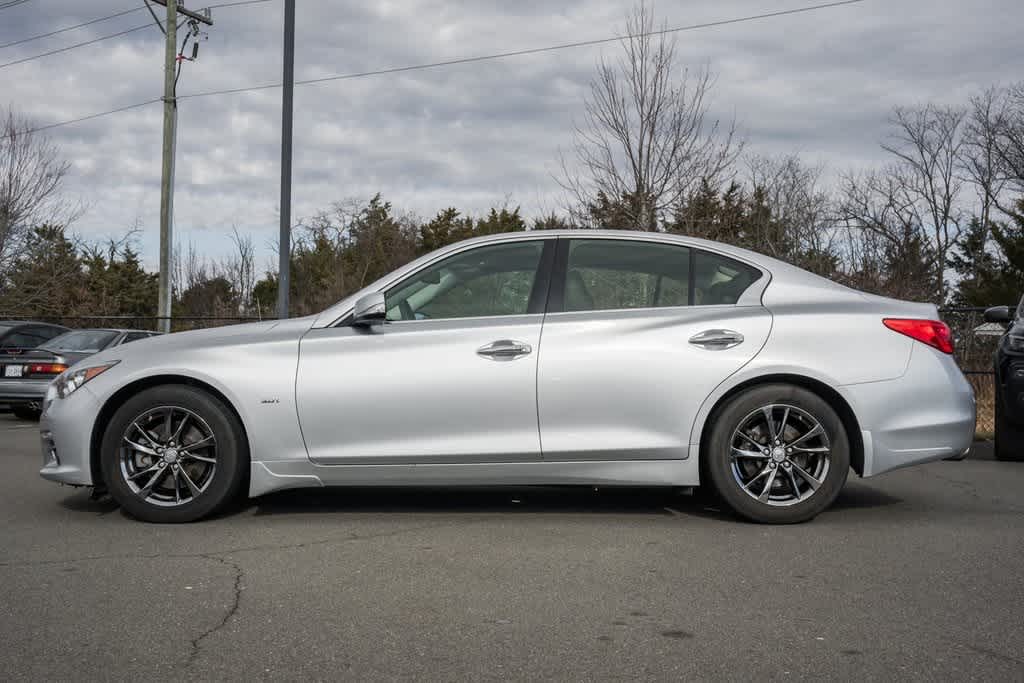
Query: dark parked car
(1009, 379)
(27, 373)
(17, 337)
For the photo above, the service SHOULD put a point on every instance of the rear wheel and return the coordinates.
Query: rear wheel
(174, 454)
(777, 454)
(1009, 441)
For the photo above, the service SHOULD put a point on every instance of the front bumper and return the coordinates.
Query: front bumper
(927, 414)
(65, 431)
(18, 391)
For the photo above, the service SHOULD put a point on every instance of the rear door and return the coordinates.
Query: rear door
(638, 333)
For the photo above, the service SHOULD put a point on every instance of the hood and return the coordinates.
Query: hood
(210, 337)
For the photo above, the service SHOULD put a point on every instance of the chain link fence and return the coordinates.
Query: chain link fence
(975, 344)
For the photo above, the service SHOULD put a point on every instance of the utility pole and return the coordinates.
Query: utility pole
(285, 240)
(171, 59)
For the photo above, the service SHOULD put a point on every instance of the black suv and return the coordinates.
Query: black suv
(1009, 382)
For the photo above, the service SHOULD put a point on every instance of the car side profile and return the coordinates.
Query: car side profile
(552, 357)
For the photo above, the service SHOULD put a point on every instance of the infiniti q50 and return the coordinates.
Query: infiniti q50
(534, 358)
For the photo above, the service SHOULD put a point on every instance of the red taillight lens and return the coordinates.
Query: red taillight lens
(932, 332)
(46, 368)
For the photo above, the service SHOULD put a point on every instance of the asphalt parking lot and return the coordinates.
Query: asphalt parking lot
(916, 574)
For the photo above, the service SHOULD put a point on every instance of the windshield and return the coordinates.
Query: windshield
(87, 341)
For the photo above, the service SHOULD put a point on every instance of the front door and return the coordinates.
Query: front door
(450, 378)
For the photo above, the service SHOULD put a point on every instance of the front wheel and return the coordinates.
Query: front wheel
(174, 454)
(777, 454)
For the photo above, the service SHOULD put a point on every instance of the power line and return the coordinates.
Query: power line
(12, 3)
(75, 46)
(464, 60)
(70, 28)
(114, 16)
(528, 51)
(92, 116)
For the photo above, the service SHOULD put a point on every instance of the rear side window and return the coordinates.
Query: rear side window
(619, 274)
(719, 280)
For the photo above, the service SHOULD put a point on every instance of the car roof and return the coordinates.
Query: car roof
(19, 323)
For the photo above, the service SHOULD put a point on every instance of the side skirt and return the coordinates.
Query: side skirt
(286, 474)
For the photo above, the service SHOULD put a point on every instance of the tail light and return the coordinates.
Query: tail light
(46, 368)
(934, 333)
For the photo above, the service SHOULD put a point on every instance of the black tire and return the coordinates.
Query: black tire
(717, 460)
(1009, 441)
(232, 454)
(25, 412)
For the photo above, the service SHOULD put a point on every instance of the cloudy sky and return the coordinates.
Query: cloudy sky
(470, 136)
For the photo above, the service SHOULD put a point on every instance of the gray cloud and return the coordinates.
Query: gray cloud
(469, 136)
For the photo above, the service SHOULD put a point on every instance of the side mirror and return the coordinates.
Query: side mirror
(998, 314)
(369, 310)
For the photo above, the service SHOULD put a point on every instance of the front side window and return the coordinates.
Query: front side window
(616, 274)
(493, 280)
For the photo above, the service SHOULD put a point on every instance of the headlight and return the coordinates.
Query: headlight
(70, 380)
(1015, 343)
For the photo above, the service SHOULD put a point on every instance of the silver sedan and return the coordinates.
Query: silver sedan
(590, 358)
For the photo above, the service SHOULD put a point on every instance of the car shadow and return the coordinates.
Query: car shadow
(526, 500)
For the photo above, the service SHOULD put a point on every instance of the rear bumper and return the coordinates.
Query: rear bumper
(16, 391)
(928, 414)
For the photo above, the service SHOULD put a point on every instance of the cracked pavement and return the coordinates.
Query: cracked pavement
(915, 574)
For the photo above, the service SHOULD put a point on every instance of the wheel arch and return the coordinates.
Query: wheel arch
(117, 399)
(823, 390)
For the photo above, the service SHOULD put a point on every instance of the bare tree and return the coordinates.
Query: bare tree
(646, 139)
(1008, 134)
(802, 215)
(240, 267)
(980, 154)
(927, 145)
(31, 172)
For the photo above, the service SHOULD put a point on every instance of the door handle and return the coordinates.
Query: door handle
(504, 349)
(717, 340)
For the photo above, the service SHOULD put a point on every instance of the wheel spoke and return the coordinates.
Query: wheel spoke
(145, 490)
(753, 455)
(793, 483)
(193, 456)
(757, 476)
(199, 444)
(767, 491)
(814, 483)
(181, 426)
(767, 410)
(750, 439)
(140, 448)
(177, 485)
(168, 420)
(138, 474)
(188, 481)
(815, 431)
(815, 449)
(149, 438)
(782, 425)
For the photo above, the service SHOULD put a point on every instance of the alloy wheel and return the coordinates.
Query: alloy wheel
(168, 456)
(780, 455)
